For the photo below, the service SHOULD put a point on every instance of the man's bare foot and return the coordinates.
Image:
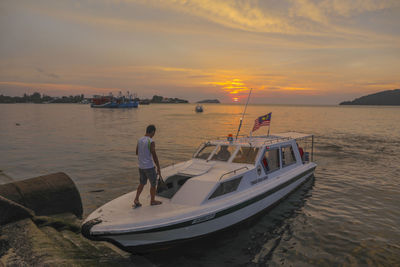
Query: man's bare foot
(155, 202)
(136, 204)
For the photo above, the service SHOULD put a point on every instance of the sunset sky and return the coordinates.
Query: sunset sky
(288, 51)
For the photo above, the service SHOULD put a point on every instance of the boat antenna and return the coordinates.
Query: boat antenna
(244, 112)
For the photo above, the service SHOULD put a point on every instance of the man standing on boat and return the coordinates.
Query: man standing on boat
(146, 151)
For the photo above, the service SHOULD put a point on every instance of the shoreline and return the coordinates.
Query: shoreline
(34, 233)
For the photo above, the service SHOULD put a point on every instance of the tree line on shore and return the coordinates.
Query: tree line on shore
(161, 99)
(39, 98)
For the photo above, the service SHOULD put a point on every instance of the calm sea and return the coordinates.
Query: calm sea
(347, 215)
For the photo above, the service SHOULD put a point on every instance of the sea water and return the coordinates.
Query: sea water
(348, 214)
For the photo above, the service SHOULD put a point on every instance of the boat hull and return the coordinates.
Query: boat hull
(157, 238)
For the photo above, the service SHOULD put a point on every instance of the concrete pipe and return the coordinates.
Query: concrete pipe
(45, 195)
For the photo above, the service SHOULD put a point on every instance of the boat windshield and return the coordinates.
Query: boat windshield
(246, 155)
(205, 152)
(223, 153)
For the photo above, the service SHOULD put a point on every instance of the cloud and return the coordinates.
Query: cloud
(309, 10)
(319, 17)
(244, 15)
(199, 76)
(322, 10)
(289, 22)
(51, 75)
(348, 8)
(11, 88)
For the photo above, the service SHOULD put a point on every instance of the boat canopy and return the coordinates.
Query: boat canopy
(295, 135)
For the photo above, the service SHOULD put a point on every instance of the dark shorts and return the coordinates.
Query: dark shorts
(148, 174)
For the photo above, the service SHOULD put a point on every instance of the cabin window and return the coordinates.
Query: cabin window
(172, 185)
(223, 153)
(206, 151)
(270, 160)
(246, 155)
(288, 157)
(226, 187)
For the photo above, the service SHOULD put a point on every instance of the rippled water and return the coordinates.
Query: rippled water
(347, 215)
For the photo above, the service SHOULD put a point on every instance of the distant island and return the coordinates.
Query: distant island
(166, 100)
(384, 98)
(209, 101)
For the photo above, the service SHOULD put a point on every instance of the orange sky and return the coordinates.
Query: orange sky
(289, 52)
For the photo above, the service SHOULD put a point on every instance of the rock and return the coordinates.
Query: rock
(11, 211)
(23, 243)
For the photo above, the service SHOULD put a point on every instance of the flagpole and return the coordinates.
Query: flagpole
(269, 125)
(244, 112)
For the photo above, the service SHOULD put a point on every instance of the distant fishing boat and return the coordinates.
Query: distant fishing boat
(114, 102)
(144, 102)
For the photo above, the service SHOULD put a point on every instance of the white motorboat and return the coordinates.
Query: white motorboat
(199, 108)
(225, 183)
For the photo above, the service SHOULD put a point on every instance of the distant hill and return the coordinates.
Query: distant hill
(384, 98)
(209, 101)
(166, 100)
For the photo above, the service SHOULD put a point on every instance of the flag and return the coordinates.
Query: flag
(262, 121)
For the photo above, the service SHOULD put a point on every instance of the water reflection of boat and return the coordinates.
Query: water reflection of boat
(144, 101)
(225, 183)
(114, 102)
(199, 108)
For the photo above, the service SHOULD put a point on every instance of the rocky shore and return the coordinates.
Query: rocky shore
(40, 226)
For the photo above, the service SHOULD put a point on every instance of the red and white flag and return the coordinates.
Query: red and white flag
(262, 121)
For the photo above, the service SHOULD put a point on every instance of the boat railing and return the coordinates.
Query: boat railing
(224, 138)
(234, 171)
(271, 139)
(276, 139)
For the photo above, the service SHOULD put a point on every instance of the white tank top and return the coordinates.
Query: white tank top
(144, 154)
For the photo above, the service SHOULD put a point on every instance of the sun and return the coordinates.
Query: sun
(236, 88)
